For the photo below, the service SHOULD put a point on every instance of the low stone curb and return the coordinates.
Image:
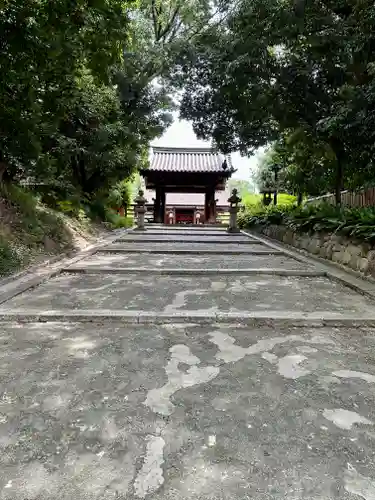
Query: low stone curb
(193, 272)
(268, 318)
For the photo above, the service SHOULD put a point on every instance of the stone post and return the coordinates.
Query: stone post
(172, 216)
(140, 211)
(197, 216)
(234, 200)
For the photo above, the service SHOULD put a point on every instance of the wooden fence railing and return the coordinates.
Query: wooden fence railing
(362, 198)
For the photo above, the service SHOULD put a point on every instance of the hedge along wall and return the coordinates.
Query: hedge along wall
(356, 255)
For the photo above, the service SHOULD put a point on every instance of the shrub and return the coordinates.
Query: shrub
(352, 222)
(117, 221)
(10, 259)
(253, 199)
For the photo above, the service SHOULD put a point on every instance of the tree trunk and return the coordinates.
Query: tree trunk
(275, 193)
(339, 180)
(299, 199)
(339, 151)
(3, 168)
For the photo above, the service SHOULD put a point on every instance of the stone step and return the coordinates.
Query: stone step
(194, 272)
(187, 232)
(270, 319)
(196, 227)
(188, 249)
(191, 261)
(186, 239)
(191, 294)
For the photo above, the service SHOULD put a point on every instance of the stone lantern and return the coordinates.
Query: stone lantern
(171, 216)
(267, 191)
(140, 210)
(234, 200)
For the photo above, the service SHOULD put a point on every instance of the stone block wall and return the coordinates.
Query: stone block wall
(353, 254)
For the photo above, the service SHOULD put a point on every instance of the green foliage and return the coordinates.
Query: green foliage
(351, 222)
(120, 194)
(251, 200)
(10, 259)
(162, 29)
(45, 45)
(274, 73)
(74, 113)
(27, 229)
(244, 188)
(117, 221)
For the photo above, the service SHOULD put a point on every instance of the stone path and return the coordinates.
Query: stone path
(187, 364)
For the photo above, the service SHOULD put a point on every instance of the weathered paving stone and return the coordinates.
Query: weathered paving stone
(198, 261)
(178, 238)
(176, 294)
(190, 247)
(103, 411)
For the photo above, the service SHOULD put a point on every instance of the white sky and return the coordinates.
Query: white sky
(180, 134)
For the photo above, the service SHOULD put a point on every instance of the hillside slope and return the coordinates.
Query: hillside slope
(31, 233)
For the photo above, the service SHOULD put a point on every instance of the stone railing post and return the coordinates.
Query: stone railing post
(140, 211)
(234, 200)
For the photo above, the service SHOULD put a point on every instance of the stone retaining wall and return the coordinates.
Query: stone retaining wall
(356, 255)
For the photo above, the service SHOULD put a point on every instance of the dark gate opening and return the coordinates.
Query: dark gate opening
(184, 216)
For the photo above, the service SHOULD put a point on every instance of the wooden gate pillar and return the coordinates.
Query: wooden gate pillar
(162, 207)
(209, 205)
(157, 203)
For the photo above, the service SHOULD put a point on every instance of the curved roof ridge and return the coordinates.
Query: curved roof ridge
(196, 159)
(176, 149)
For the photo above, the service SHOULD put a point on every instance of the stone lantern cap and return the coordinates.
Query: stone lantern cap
(234, 200)
(140, 199)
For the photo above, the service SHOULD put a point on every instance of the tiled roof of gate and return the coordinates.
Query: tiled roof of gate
(203, 160)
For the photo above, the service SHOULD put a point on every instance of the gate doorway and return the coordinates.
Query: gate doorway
(184, 216)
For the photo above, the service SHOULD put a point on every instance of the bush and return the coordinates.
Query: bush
(117, 221)
(357, 223)
(10, 259)
(27, 228)
(253, 199)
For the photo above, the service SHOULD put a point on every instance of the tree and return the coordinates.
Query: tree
(161, 31)
(243, 187)
(272, 68)
(44, 47)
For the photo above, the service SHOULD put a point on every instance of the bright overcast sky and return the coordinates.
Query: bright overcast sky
(180, 134)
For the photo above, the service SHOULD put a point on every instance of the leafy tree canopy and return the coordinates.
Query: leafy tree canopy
(275, 67)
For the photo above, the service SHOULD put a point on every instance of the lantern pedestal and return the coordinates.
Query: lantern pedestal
(234, 200)
(140, 211)
(233, 228)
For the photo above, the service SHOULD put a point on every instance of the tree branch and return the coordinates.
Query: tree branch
(154, 17)
(171, 23)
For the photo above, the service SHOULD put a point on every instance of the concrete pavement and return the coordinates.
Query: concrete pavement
(188, 371)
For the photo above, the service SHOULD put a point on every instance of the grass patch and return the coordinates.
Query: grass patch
(252, 199)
